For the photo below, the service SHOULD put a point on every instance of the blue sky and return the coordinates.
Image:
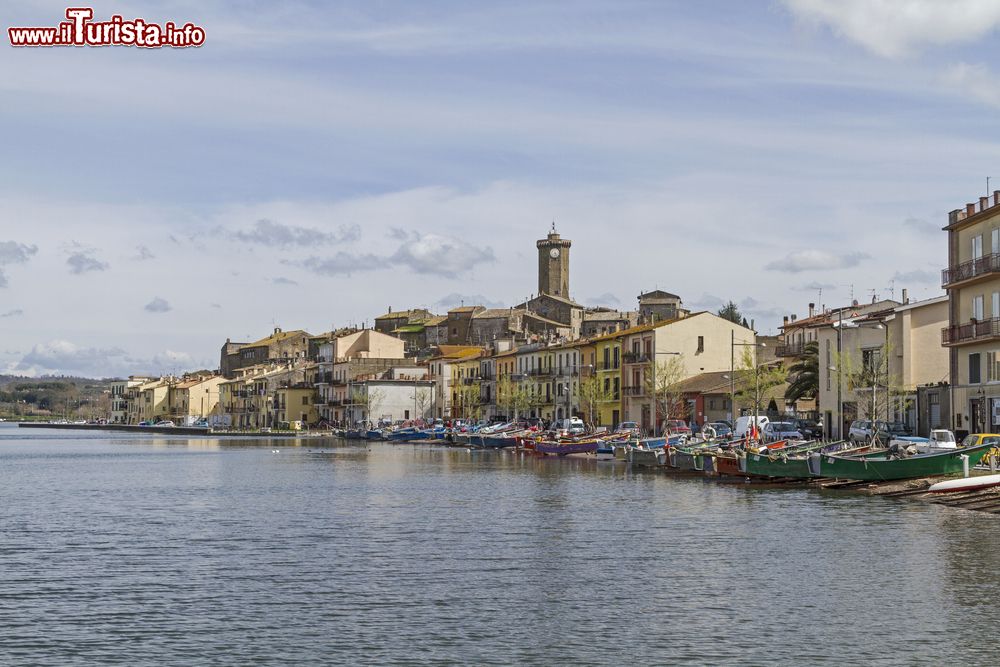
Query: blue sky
(314, 163)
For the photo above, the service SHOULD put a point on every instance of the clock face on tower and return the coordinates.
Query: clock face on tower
(554, 253)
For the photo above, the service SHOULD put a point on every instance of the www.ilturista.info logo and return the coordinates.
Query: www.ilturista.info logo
(79, 30)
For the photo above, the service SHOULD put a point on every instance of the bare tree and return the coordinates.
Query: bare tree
(663, 384)
(592, 394)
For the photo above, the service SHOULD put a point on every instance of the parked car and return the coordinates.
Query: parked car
(676, 427)
(943, 439)
(775, 431)
(572, 426)
(200, 422)
(886, 431)
(720, 429)
(627, 427)
(809, 428)
(164, 422)
(145, 423)
(860, 431)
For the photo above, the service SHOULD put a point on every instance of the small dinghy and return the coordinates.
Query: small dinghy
(965, 484)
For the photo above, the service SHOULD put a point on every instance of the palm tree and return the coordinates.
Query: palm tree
(804, 374)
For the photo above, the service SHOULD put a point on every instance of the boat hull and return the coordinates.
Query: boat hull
(562, 449)
(877, 467)
(966, 484)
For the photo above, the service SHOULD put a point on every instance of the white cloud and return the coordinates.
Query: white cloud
(898, 28)
(816, 260)
(922, 276)
(922, 226)
(83, 262)
(271, 234)
(976, 80)
(157, 305)
(281, 280)
(62, 357)
(12, 313)
(12, 252)
(143, 253)
(441, 255)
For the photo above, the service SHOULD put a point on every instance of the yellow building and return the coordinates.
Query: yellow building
(294, 407)
(608, 363)
(194, 397)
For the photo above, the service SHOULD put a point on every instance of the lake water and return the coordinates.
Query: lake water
(116, 549)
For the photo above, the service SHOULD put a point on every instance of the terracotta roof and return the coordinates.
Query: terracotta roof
(403, 313)
(437, 320)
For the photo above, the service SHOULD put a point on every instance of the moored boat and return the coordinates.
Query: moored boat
(884, 465)
(565, 447)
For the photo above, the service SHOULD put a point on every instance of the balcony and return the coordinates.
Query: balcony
(468, 382)
(794, 349)
(972, 332)
(540, 372)
(608, 366)
(635, 358)
(633, 391)
(971, 271)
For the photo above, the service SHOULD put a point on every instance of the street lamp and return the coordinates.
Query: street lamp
(732, 378)
(656, 422)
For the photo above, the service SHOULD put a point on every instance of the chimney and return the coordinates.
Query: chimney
(812, 309)
(390, 309)
(785, 320)
(906, 296)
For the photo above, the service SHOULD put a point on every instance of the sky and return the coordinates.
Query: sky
(314, 163)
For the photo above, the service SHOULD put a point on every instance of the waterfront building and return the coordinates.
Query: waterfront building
(885, 355)
(152, 401)
(441, 373)
(465, 387)
(607, 351)
(402, 395)
(658, 306)
(972, 334)
(193, 397)
(703, 343)
(279, 347)
(122, 391)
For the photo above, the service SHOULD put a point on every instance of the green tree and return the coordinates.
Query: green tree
(731, 312)
(592, 394)
(754, 381)
(513, 396)
(663, 384)
(803, 376)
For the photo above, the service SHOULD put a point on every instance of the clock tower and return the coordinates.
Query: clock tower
(553, 265)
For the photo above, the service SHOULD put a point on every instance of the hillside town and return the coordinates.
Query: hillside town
(923, 364)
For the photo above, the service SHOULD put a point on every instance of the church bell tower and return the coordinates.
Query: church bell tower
(553, 264)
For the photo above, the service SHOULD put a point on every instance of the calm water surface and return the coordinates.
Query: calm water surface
(116, 549)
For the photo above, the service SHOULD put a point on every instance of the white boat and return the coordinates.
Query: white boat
(965, 484)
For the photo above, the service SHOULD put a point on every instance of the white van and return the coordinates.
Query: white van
(743, 425)
(572, 426)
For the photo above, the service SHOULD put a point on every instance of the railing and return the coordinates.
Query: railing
(609, 366)
(971, 269)
(977, 330)
(795, 349)
(635, 358)
(540, 371)
(634, 391)
(469, 381)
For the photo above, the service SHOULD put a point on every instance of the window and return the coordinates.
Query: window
(607, 386)
(992, 366)
(617, 389)
(617, 359)
(977, 246)
(995, 313)
(974, 369)
(607, 357)
(977, 307)
(995, 248)
(701, 344)
(305, 400)
(711, 404)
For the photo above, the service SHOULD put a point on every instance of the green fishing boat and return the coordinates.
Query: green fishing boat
(882, 466)
(791, 462)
